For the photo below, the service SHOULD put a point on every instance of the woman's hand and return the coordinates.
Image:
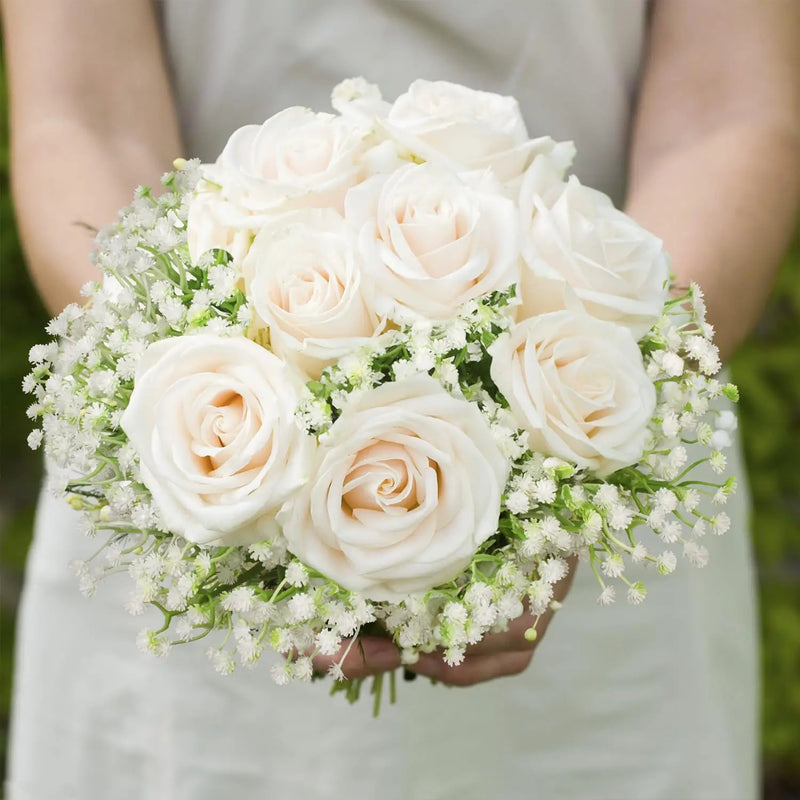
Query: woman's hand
(495, 656)
(498, 654)
(369, 655)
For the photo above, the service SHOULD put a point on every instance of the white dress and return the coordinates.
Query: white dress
(623, 703)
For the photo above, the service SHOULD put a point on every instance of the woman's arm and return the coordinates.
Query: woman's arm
(92, 116)
(715, 160)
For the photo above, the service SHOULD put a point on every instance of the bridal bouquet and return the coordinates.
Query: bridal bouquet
(382, 368)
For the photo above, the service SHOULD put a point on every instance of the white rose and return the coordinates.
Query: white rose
(467, 129)
(576, 244)
(304, 278)
(297, 158)
(432, 241)
(406, 487)
(212, 420)
(214, 223)
(578, 386)
(359, 100)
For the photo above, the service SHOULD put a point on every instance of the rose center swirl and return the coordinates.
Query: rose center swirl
(309, 156)
(386, 477)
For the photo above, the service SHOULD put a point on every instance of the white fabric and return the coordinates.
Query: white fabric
(621, 703)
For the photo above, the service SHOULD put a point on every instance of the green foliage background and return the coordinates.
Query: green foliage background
(767, 369)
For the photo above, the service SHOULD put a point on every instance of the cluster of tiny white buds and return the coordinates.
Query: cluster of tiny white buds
(328, 642)
(671, 364)
(540, 594)
(518, 502)
(296, 574)
(720, 524)
(665, 500)
(620, 516)
(607, 596)
(592, 527)
(454, 656)
(152, 644)
(239, 599)
(718, 462)
(303, 668)
(552, 570)
(282, 673)
(695, 553)
(509, 606)
(455, 612)
(544, 491)
(636, 593)
(134, 604)
(613, 566)
(263, 552)
(362, 610)
(607, 496)
(478, 593)
(666, 562)
(639, 553)
(344, 622)
(281, 640)
(691, 500)
(670, 531)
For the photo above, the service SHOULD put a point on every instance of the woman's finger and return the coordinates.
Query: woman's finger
(512, 640)
(368, 655)
(474, 669)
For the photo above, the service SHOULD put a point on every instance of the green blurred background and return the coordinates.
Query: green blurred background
(767, 370)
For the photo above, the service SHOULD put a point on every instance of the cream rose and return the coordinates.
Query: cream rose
(578, 386)
(406, 487)
(432, 241)
(298, 158)
(576, 244)
(212, 420)
(467, 129)
(304, 277)
(214, 223)
(360, 101)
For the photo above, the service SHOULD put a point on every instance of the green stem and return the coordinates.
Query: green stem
(377, 690)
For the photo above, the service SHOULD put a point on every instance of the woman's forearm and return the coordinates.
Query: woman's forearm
(715, 161)
(726, 207)
(60, 200)
(91, 118)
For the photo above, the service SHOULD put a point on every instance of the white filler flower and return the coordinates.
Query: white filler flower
(406, 487)
(213, 422)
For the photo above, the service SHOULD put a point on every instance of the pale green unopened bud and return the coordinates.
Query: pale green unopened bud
(731, 392)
